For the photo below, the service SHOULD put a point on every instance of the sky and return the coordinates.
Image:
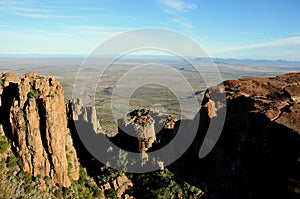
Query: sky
(255, 29)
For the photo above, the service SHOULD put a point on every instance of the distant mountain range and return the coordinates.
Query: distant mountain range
(30, 60)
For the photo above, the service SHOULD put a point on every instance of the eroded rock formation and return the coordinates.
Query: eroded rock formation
(34, 117)
(143, 125)
(145, 130)
(258, 153)
(79, 112)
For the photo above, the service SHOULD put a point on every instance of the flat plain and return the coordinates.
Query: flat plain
(146, 95)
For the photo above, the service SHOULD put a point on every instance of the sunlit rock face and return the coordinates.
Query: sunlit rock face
(34, 117)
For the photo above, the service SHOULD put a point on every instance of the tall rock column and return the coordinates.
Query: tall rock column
(39, 132)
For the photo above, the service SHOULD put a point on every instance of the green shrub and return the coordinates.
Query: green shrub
(4, 146)
(1, 81)
(85, 187)
(66, 192)
(50, 94)
(162, 184)
(27, 177)
(83, 176)
(107, 174)
(28, 190)
(11, 161)
(97, 191)
(111, 193)
(33, 93)
(58, 193)
(2, 164)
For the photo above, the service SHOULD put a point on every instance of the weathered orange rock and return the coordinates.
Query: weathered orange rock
(120, 184)
(39, 128)
(294, 92)
(8, 78)
(278, 98)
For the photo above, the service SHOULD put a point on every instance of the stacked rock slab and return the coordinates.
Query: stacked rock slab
(38, 124)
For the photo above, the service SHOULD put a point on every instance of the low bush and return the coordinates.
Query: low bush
(4, 146)
(33, 93)
(11, 161)
(1, 81)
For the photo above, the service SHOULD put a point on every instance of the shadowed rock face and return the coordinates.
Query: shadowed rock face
(34, 117)
(258, 153)
(78, 112)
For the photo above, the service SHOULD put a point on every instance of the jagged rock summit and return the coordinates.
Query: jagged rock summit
(33, 115)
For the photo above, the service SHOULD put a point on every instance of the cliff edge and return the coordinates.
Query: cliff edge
(34, 118)
(258, 152)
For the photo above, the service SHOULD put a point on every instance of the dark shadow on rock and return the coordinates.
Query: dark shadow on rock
(253, 158)
(126, 140)
(43, 120)
(9, 95)
(86, 159)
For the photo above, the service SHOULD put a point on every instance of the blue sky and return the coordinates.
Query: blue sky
(231, 29)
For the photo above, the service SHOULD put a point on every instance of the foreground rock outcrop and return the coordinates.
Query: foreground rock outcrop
(34, 118)
(258, 153)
